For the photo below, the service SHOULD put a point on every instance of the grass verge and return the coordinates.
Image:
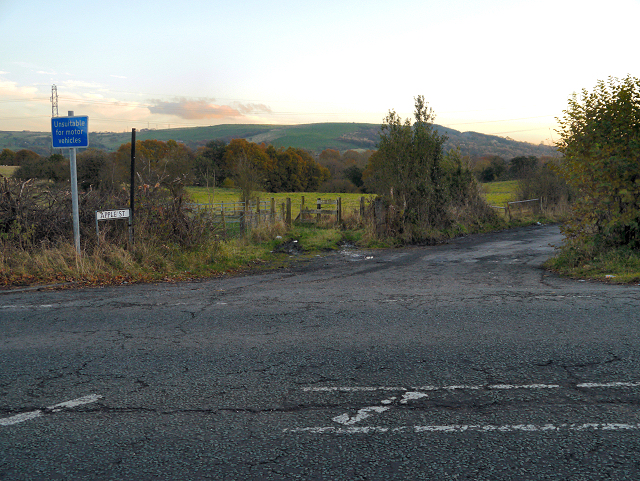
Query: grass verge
(618, 265)
(263, 248)
(270, 246)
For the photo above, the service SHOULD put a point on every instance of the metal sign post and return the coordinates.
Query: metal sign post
(71, 132)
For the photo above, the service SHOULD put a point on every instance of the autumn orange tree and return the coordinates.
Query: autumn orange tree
(600, 140)
(294, 170)
(248, 163)
(263, 167)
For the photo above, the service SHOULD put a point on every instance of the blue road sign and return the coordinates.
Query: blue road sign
(70, 132)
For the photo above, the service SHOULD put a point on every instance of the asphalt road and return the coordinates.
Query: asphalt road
(462, 361)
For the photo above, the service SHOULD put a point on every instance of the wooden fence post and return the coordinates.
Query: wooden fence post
(362, 207)
(243, 219)
(288, 218)
(224, 224)
(301, 208)
(273, 210)
(380, 217)
(258, 211)
(318, 206)
(339, 210)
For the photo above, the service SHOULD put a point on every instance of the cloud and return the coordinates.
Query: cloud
(80, 84)
(13, 89)
(194, 109)
(117, 76)
(205, 109)
(253, 108)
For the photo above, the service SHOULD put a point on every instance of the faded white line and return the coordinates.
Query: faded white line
(362, 414)
(20, 418)
(419, 392)
(470, 387)
(91, 398)
(35, 306)
(351, 388)
(412, 396)
(462, 428)
(607, 384)
(523, 386)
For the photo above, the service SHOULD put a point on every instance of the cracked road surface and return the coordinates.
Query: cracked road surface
(461, 361)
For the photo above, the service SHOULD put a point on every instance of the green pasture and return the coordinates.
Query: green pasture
(498, 193)
(350, 202)
(7, 170)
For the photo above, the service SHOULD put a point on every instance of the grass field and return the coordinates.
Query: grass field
(497, 193)
(7, 170)
(350, 202)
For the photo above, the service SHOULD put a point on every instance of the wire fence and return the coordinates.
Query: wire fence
(518, 207)
(235, 218)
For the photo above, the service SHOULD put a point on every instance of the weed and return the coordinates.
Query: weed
(585, 261)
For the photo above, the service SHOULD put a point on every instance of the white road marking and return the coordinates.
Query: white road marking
(20, 418)
(91, 398)
(363, 413)
(523, 386)
(415, 394)
(412, 396)
(463, 387)
(35, 306)
(607, 384)
(461, 428)
(351, 388)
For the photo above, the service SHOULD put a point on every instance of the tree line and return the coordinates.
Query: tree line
(173, 165)
(492, 168)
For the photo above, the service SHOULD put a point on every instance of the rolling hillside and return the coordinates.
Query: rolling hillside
(312, 137)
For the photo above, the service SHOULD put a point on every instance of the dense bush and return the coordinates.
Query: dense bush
(35, 214)
(600, 139)
(425, 189)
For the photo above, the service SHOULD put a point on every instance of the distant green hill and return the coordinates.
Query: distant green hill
(312, 137)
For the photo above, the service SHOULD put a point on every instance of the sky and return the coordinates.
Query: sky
(499, 67)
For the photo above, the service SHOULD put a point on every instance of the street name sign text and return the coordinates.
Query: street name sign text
(112, 214)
